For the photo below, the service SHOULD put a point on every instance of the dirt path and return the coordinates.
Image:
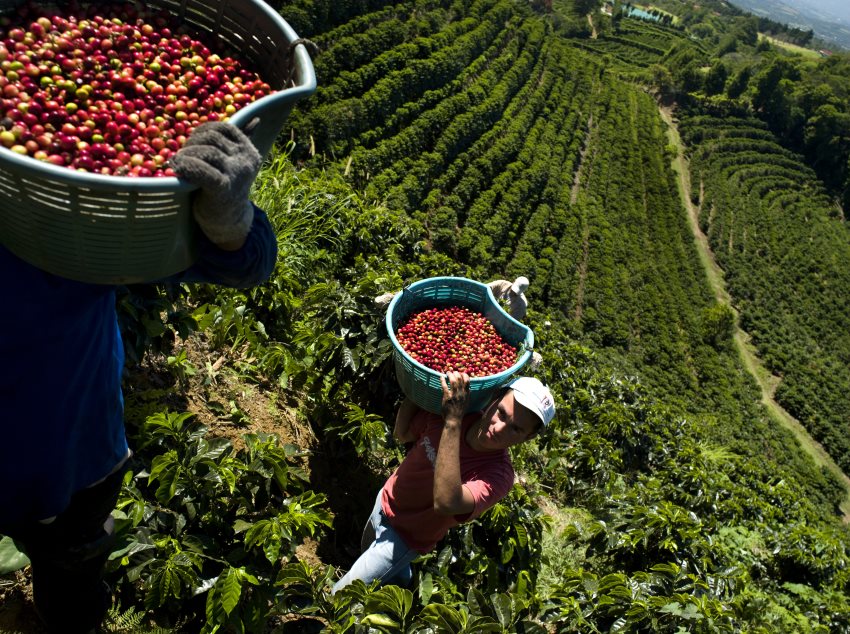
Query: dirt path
(581, 158)
(582, 273)
(582, 268)
(767, 382)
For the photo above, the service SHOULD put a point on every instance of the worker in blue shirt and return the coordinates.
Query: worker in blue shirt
(63, 450)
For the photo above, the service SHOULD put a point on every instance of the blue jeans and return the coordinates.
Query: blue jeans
(385, 555)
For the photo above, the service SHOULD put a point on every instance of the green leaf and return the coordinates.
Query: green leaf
(228, 476)
(668, 568)
(299, 573)
(350, 359)
(503, 608)
(521, 535)
(446, 618)
(153, 327)
(165, 468)
(481, 624)
(391, 599)
(672, 608)
(268, 534)
(531, 627)
(379, 620)
(168, 580)
(612, 581)
(426, 588)
(205, 585)
(477, 603)
(444, 558)
(230, 589)
(166, 423)
(130, 547)
(507, 550)
(211, 449)
(11, 559)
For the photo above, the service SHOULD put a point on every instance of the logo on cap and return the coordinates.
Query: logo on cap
(533, 395)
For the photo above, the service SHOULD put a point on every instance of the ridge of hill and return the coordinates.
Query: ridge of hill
(829, 22)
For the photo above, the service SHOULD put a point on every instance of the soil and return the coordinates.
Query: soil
(17, 615)
(221, 396)
(349, 483)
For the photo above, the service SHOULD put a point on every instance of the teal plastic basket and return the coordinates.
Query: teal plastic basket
(422, 384)
(120, 230)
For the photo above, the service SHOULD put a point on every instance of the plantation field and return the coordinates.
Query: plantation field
(635, 45)
(579, 197)
(749, 354)
(759, 199)
(788, 46)
(558, 172)
(470, 137)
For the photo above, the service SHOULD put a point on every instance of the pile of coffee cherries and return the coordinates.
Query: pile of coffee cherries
(456, 338)
(111, 88)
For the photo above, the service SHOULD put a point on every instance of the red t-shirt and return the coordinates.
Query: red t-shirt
(408, 495)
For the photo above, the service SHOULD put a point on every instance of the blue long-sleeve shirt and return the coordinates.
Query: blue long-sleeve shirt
(61, 359)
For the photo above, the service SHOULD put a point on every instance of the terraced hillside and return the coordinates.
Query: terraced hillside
(516, 150)
(784, 246)
(520, 154)
(470, 137)
(635, 43)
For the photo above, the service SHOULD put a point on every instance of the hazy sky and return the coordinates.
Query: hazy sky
(838, 8)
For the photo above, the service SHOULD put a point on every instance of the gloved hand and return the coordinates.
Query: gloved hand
(223, 162)
(382, 301)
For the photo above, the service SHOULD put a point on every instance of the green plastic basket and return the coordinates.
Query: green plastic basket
(422, 384)
(119, 230)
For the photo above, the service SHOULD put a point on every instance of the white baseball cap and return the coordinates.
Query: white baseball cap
(533, 395)
(520, 284)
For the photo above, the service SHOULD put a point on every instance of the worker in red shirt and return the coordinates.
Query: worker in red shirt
(458, 468)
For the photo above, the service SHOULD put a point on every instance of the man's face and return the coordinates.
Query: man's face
(503, 424)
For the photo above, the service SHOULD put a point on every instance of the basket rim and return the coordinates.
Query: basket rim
(478, 380)
(168, 184)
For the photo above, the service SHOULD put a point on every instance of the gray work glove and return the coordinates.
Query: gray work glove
(382, 301)
(223, 162)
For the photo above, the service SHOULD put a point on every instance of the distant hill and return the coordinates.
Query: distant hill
(830, 19)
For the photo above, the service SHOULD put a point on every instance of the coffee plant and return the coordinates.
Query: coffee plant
(491, 139)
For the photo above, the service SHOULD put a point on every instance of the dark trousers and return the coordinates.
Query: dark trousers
(68, 558)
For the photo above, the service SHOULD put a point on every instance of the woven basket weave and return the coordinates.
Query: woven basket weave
(422, 384)
(118, 230)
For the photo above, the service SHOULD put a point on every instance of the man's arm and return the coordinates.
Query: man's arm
(248, 266)
(450, 496)
(500, 288)
(237, 245)
(406, 411)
